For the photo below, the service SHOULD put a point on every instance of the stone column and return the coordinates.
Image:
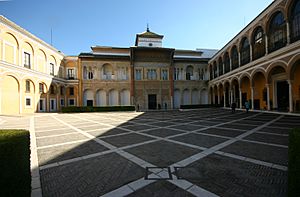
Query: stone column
(219, 100)
(252, 97)
(241, 104)
(213, 99)
(231, 96)
(266, 43)
(251, 52)
(239, 55)
(288, 33)
(224, 98)
(230, 63)
(268, 96)
(290, 95)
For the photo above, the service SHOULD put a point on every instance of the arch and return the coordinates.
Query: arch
(245, 51)
(88, 97)
(258, 43)
(10, 95)
(220, 64)
(189, 72)
(195, 97)
(101, 98)
(11, 48)
(294, 20)
(277, 35)
(186, 97)
(295, 59)
(177, 98)
(257, 70)
(258, 82)
(32, 84)
(125, 97)
(243, 75)
(234, 57)
(41, 61)
(113, 98)
(226, 63)
(204, 96)
(108, 71)
(275, 64)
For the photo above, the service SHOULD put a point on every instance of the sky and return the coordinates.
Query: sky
(79, 24)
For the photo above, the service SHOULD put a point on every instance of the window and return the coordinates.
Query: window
(27, 86)
(151, 74)
(71, 73)
(189, 73)
(216, 74)
(211, 72)
(176, 73)
(62, 102)
(220, 66)
(164, 74)
(62, 90)
(51, 69)
(277, 32)
(258, 43)
(52, 89)
(226, 63)
(28, 102)
(295, 22)
(71, 89)
(90, 75)
(234, 58)
(71, 102)
(123, 73)
(41, 88)
(138, 74)
(245, 52)
(27, 60)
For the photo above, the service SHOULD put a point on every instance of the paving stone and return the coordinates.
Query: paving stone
(230, 177)
(138, 127)
(239, 126)
(222, 132)
(262, 152)
(91, 177)
(187, 127)
(163, 132)
(204, 123)
(200, 140)
(162, 124)
(60, 139)
(275, 130)
(107, 132)
(162, 153)
(160, 188)
(55, 132)
(127, 139)
(61, 153)
(274, 139)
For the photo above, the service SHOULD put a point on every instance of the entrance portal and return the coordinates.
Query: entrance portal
(152, 101)
(282, 95)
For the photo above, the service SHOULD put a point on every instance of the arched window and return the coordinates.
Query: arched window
(234, 58)
(295, 21)
(215, 69)
(258, 43)
(226, 63)
(277, 32)
(211, 71)
(189, 73)
(84, 73)
(220, 66)
(245, 51)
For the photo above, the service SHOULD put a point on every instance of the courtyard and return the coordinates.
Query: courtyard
(205, 152)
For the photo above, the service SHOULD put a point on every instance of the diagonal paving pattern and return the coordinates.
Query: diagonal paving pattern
(207, 152)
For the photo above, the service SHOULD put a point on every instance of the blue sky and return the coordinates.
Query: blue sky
(79, 24)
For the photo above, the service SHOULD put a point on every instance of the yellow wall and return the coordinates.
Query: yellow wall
(10, 48)
(259, 85)
(10, 95)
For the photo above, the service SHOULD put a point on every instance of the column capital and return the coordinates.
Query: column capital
(268, 85)
(290, 82)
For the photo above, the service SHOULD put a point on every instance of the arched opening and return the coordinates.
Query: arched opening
(277, 32)
(216, 96)
(204, 96)
(245, 51)
(88, 98)
(101, 98)
(211, 76)
(294, 76)
(279, 88)
(227, 62)
(189, 73)
(258, 43)
(28, 56)
(245, 90)
(177, 97)
(42, 105)
(227, 94)
(221, 93)
(11, 48)
(113, 98)
(10, 95)
(216, 74)
(195, 97)
(295, 21)
(220, 66)
(186, 97)
(234, 58)
(52, 97)
(108, 72)
(235, 92)
(125, 97)
(259, 91)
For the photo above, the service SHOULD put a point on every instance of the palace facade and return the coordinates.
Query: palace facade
(35, 77)
(259, 65)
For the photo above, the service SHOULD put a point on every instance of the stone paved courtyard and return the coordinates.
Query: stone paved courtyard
(206, 152)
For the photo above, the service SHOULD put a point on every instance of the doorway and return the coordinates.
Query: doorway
(89, 103)
(52, 104)
(282, 95)
(41, 106)
(152, 101)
